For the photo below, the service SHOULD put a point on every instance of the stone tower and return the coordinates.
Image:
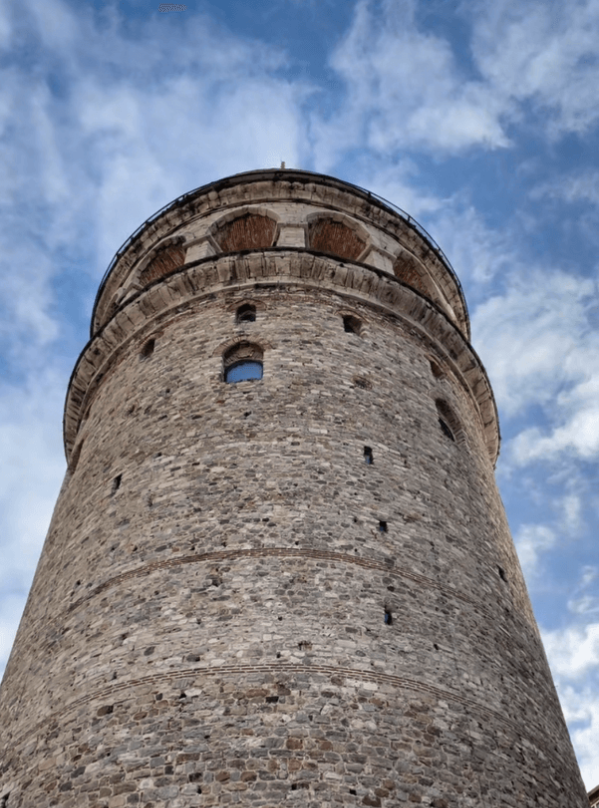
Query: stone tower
(279, 571)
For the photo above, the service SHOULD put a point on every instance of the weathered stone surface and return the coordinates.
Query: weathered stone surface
(233, 607)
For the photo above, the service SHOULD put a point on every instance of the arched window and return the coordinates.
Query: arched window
(246, 314)
(243, 362)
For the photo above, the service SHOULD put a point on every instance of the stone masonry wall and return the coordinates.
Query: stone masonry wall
(234, 608)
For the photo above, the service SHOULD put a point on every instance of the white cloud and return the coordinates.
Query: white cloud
(573, 654)
(574, 650)
(543, 53)
(407, 88)
(404, 88)
(572, 510)
(581, 710)
(5, 27)
(576, 187)
(536, 345)
(586, 604)
(11, 608)
(531, 541)
(478, 252)
(583, 602)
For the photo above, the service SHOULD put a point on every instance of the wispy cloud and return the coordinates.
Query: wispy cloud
(543, 53)
(406, 87)
(531, 541)
(581, 186)
(538, 347)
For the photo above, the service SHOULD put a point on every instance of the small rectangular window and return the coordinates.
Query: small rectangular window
(368, 458)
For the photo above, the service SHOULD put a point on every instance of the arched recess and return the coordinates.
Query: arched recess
(336, 235)
(407, 269)
(164, 260)
(250, 230)
(449, 420)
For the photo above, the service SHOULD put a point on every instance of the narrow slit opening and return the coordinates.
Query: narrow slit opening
(148, 349)
(446, 430)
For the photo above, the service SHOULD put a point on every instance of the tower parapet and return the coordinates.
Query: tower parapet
(375, 248)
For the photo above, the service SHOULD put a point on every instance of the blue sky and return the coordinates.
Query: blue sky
(480, 119)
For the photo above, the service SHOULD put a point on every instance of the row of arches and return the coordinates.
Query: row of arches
(327, 233)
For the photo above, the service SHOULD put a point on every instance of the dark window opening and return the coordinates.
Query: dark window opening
(448, 422)
(368, 458)
(382, 526)
(4, 800)
(351, 324)
(388, 617)
(243, 371)
(148, 349)
(446, 430)
(436, 370)
(246, 314)
(501, 573)
(352, 791)
(116, 483)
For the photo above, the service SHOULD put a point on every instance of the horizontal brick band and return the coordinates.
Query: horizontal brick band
(275, 552)
(112, 692)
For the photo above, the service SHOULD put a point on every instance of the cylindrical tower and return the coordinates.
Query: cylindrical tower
(279, 568)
